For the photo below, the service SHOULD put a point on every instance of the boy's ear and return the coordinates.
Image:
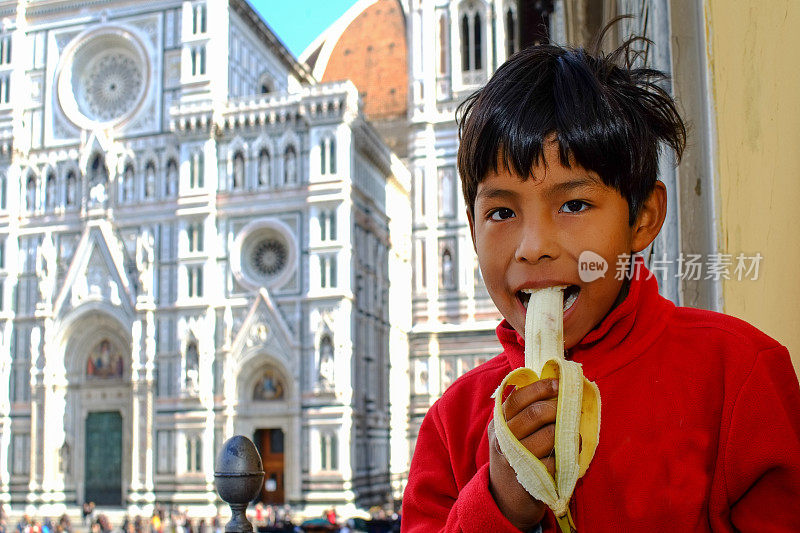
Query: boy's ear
(650, 219)
(472, 229)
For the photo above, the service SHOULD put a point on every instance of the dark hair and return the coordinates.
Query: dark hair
(606, 115)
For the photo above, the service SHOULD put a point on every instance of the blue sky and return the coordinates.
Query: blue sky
(298, 22)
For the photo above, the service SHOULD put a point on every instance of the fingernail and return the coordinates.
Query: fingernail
(555, 385)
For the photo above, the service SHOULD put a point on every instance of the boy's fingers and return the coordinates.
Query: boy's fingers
(550, 464)
(533, 418)
(521, 398)
(541, 443)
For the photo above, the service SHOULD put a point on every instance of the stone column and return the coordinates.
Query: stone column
(207, 350)
(136, 425)
(146, 307)
(51, 425)
(37, 413)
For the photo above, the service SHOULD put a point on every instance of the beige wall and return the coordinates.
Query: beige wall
(754, 51)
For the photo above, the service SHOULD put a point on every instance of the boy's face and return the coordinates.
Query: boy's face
(530, 234)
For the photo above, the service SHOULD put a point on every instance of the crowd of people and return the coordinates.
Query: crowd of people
(27, 524)
(265, 519)
(176, 521)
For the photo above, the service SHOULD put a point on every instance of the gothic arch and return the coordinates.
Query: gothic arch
(30, 189)
(266, 83)
(170, 185)
(261, 142)
(73, 169)
(289, 144)
(85, 327)
(256, 365)
(235, 147)
(49, 188)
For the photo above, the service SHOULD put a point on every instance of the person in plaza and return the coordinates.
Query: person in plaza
(155, 522)
(87, 509)
(64, 525)
(24, 524)
(700, 422)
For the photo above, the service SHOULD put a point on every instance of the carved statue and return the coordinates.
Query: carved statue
(326, 364)
(145, 257)
(192, 378)
(97, 194)
(46, 268)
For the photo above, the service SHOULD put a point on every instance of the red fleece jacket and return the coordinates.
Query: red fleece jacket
(700, 429)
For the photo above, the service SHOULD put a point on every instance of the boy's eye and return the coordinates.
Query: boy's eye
(501, 214)
(574, 206)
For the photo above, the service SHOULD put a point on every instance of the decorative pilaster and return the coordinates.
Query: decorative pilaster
(37, 412)
(142, 496)
(206, 379)
(54, 391)
(5, 410)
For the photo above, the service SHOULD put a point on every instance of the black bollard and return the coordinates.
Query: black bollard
(238, 476)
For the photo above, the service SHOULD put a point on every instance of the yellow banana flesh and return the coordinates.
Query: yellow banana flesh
(577, 413)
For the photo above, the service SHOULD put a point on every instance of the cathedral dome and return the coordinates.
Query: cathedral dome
(367, 45)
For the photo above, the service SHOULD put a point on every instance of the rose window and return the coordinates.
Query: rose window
(269, 257)
(111, 87)
(103, 78)
(264, 254)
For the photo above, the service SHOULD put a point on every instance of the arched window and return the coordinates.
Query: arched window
(326, 362)
(199, 18)
(192, 368)
(197, 171)
(126, 187)
(265, 84)
(465, 48)
(198, 60)
(50, 191)
(192, 356)
(477, 46)
(150, 180)
(327, 225)
(448, 275)
(290, 165)
(444, 44)
(98, 172)
(471, 40)
(238, 171)
(327, 149)
(71, 192)
(447, 192)
(3, 193)
(264, 163)
(30, 193)
(194, 234)
(171, 182)
(329, 451)
(511, 32)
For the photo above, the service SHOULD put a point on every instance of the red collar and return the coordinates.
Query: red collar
(627, 331)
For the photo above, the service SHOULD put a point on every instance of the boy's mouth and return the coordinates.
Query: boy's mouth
(570, 295)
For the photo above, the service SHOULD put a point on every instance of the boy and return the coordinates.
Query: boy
(700, 427)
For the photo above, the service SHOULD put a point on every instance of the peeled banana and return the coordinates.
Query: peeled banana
(577, 415)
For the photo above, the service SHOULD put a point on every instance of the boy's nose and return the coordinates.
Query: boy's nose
(536, 243)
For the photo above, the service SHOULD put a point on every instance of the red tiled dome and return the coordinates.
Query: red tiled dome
(372, 53)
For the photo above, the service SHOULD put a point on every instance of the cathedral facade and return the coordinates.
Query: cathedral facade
(194, 243)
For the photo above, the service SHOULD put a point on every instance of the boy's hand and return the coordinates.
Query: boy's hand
(531, 414)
